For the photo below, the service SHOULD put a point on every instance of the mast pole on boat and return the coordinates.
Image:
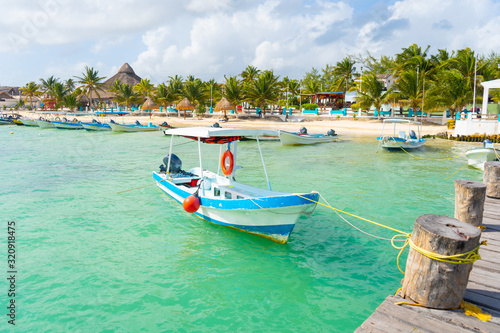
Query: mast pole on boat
(220, 157)
(170, 155)
(263, 164)
(199, 155)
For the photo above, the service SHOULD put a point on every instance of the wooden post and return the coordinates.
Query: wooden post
(491, 178)
(469, 201)
(433, 283)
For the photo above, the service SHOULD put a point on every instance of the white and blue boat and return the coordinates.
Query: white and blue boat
(97, 125)
(218, 198)
(401, 140)
(303, 138)
(137, 127)
(66, 124)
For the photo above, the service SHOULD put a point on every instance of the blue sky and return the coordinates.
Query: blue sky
(210, 39)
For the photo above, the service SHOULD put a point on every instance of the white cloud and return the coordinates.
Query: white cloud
(161, 38)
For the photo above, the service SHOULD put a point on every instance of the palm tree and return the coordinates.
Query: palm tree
(344, 70)
(373, 93)
(70, 85)
(126, 95)
(71, 101)
(145, 88)
(195, 92)
(233, 91)
(263, 90)
(92, 83)
(451, 90)
(59, 92)
(249, 74)
(406, 90)
(164, 96)
(46, 85)
(30, 90)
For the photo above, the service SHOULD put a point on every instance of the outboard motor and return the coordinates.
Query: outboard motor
(216, 125)
(94, 121)
(412, 135)
(164, 123)
(487, 144)
(137, 122)
(330, 132)
(303, 130)
(112, 121)
(175, 163)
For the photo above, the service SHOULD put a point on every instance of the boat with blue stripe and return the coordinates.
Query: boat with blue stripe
(401, 140)
(218, 198)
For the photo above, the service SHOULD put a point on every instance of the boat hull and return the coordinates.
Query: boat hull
(43, 124)
(29, 122)
(478, 156)
(392, 143)
(270, 217)
(291, 139)
(133, 128)
(5, 122)
(18, 122)
(72, 126)
(96, 127)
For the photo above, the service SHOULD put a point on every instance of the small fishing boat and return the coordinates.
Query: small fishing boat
(220, 199)
(401, 140)
(303, 138)
(476, 157)
(137, 127)
(17, 121)
(66, 124)
(44, 123)
(96, 125)
(6, 120)
(29, 122)
(165, 126)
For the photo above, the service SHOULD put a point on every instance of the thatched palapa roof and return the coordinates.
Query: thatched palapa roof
(224, 105)
(185, 104)
(149, 105)
(125, 75)
(4, 94)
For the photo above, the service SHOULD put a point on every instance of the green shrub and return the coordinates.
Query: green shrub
(309, 106)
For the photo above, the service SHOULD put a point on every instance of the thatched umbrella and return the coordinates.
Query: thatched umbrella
(184, 105)
(149, 104)
(224, 105)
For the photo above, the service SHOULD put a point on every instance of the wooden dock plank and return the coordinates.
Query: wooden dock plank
(483, 290)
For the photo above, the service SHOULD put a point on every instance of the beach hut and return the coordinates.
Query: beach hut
(184, 105)
(224, 105)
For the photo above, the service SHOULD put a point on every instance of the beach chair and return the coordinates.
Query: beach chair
(402, 134)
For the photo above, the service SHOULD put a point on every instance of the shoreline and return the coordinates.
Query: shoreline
(343, 127)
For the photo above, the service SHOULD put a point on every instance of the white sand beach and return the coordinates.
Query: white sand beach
(343, 126)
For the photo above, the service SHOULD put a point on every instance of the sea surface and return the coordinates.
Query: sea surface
(91, 259)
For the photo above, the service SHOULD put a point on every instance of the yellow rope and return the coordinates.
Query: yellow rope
(472, 310)
(434, 159)
(358, 217)
(456, 171)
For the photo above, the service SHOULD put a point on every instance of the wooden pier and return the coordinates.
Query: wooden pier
(483, 290)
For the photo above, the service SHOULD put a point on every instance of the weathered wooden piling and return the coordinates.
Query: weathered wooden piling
(469, 201)
(436, 283)
(491, 178)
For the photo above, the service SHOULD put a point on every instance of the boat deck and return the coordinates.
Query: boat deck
(483, 290)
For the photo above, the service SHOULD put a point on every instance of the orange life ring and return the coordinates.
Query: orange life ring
(229, 169)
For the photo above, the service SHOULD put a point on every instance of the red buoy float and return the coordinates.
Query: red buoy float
(191, 203)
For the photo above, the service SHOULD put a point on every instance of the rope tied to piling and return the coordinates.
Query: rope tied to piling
(472, 310)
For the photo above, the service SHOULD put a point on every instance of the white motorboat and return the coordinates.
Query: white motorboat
(401, 140)
(220, 199)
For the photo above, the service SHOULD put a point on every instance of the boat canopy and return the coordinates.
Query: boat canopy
(209, 132)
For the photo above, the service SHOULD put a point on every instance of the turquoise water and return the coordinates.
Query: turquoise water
(90, 259)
